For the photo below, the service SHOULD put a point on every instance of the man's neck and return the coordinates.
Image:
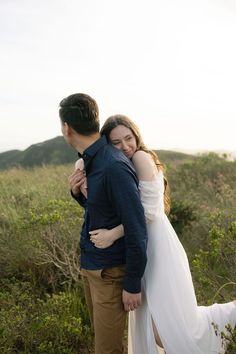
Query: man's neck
(83, 142)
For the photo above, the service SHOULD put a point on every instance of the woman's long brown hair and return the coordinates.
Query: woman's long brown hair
(118, 119)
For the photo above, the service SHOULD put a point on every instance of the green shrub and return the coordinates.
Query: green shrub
(214, 267)
(39, 227)
(181, 215)
(56, 324)
(40, 310)
(214, 272)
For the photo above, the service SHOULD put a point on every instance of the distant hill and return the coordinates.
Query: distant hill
(53, 151)
(167, 156)
(56, 151)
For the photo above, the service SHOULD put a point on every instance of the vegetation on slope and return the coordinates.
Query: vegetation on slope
(42, 308)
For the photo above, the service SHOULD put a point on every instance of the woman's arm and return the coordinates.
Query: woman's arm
(144, 165)
(103, 238)
(145, 168)
(148, 173)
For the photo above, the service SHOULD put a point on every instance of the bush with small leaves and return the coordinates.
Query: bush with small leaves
(56, 324)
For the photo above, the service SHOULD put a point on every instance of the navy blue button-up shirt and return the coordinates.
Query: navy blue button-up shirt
(113, 199)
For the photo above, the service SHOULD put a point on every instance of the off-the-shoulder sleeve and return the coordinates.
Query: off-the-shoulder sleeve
(152, 196)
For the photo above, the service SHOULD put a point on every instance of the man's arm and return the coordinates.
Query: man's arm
(122, 188)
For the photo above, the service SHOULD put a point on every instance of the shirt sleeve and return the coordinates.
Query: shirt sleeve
(122, 187)
(81, 199)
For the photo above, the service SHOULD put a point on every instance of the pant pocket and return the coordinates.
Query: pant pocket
(113, 273)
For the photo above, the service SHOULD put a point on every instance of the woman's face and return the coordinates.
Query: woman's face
(123, 139)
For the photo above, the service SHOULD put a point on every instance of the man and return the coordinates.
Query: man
(112, 276)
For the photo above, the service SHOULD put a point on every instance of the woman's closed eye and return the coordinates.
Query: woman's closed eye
(115, 142)
(127, 138)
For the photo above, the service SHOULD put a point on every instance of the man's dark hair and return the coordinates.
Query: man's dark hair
(81, 113)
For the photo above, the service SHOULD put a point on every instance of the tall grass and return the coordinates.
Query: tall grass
(42, 306)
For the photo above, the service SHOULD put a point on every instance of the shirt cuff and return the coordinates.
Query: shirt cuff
(80, 199)
(132, 285)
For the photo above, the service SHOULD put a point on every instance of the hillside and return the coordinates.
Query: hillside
(167, 156)
(41, 299)
(55, 151)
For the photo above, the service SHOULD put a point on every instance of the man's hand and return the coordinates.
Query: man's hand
(76, 181)
(131, 301)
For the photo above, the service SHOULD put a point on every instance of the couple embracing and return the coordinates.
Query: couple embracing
(131, 258)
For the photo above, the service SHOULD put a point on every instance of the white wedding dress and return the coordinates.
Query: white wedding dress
(168, 293)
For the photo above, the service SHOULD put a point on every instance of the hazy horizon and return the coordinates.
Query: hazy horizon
(232, 153)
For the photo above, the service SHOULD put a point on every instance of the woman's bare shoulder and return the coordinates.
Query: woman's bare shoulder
(144, 165)
(141, 155)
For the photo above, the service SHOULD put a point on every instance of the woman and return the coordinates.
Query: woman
(169, 314)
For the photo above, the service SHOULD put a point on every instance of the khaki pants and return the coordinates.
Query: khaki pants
(103, 293)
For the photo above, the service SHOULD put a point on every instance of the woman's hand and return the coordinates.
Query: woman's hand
(102, 238)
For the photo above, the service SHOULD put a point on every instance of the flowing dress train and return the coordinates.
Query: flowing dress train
(168, 293)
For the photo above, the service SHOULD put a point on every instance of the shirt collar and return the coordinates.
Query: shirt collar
(89, 153)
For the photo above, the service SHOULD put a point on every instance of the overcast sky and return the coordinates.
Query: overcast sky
(168, 64)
